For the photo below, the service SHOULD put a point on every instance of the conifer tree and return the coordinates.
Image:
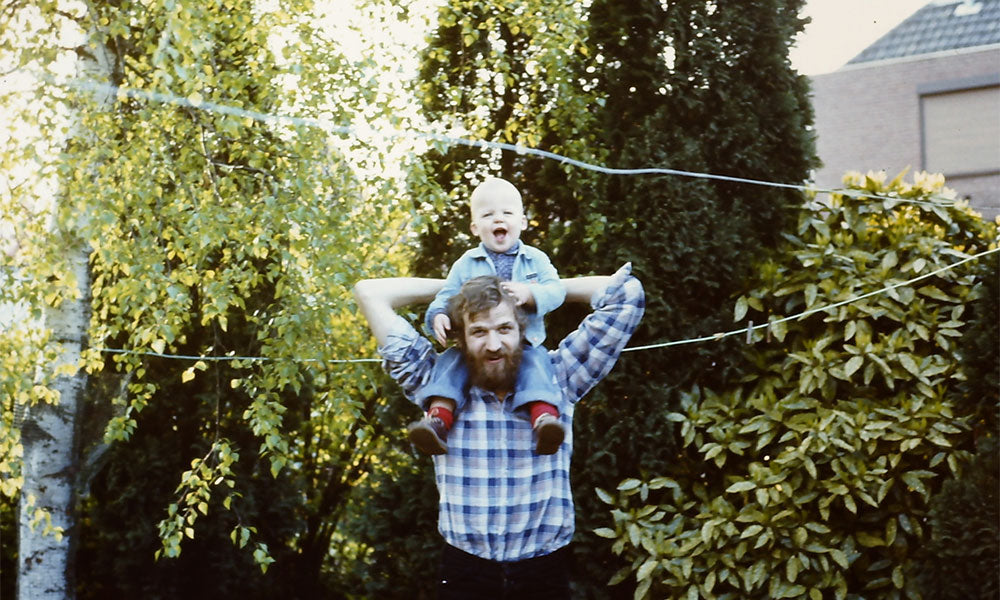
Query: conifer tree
(695, 86)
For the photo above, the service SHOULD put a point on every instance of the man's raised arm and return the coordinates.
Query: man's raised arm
(378, 299)
(582, 289)
(586, 355)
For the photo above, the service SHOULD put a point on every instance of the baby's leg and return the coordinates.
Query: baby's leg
(538, 392)
(443, 397)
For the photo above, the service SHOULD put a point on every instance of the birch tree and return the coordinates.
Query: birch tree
(60, 299)
(178, 195)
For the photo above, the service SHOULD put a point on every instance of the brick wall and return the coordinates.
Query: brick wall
(868, 117)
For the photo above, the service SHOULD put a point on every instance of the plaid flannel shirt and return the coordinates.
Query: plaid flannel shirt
(498, 499)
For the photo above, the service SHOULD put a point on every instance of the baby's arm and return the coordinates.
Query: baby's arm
(436, 319)
(549, 292)
(441, 327)
(521, 292)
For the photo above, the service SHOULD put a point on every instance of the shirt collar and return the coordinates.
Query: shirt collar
(478, 393)
(514, 250)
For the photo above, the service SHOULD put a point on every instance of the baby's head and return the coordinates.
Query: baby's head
(497, 215)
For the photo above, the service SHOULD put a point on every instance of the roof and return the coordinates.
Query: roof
(938, 26)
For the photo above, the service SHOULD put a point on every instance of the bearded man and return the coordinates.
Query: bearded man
(505, 512)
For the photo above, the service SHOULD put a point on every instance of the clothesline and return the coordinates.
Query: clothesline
(707, 338)
(346, 130)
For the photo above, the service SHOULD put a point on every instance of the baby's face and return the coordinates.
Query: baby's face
(497, 218)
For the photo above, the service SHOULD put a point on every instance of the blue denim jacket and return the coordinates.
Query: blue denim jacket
(530, 266)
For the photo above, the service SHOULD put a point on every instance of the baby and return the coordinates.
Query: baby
(497, 217)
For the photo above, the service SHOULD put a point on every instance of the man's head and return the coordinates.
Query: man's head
(489, 329)
(497, 215)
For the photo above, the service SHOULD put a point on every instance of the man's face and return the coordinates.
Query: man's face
(493, 348)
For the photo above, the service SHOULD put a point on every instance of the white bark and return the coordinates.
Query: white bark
(48, 436)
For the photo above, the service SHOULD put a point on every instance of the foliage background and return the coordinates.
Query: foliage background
(965, 515)
(815, 470)
(215, 234)
(209, 234)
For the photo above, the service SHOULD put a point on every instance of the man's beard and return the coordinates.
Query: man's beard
(494, 377)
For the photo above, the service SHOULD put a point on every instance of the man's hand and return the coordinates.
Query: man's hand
(442, 325)
(521, 293)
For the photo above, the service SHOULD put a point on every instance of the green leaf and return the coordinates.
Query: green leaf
(779, 329)
(897, 577)
(889, 260)
(810, 294)
(751, 531)
(869, 540)
(839, 557)
(646, 570)
(629, 484)
(741, 486)
(852, 365)
(909, 364)
(620, 576)
(740, 310)
(792, 569)
(642, 589)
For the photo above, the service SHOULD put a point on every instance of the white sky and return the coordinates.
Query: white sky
(840, 29)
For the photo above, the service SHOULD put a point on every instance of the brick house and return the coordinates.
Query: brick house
(926, 95)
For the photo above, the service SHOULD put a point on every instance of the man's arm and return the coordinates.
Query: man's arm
(582, 289)
(586, 355)
(378, 300)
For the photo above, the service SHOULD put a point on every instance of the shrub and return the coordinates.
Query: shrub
(963, 556)
(818, 466)
(962, 560)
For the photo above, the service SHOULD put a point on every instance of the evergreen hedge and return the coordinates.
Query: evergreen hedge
(701, 87)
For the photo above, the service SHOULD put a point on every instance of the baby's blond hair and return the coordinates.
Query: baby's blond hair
(495, 185)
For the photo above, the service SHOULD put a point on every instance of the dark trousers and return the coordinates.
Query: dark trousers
(468, 577)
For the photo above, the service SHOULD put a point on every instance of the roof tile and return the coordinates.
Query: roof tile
(939, 25)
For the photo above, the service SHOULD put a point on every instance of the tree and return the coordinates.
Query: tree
(195, 231)
(818, 465)
(703, 87)
(47, 435)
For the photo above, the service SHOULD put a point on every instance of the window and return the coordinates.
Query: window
(960, 129)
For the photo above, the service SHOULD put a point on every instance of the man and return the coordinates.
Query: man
(505, 512)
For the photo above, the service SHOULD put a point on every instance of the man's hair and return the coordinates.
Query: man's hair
(477, 295)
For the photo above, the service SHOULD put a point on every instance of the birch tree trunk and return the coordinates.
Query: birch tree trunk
(45, 570)
(47, 511)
